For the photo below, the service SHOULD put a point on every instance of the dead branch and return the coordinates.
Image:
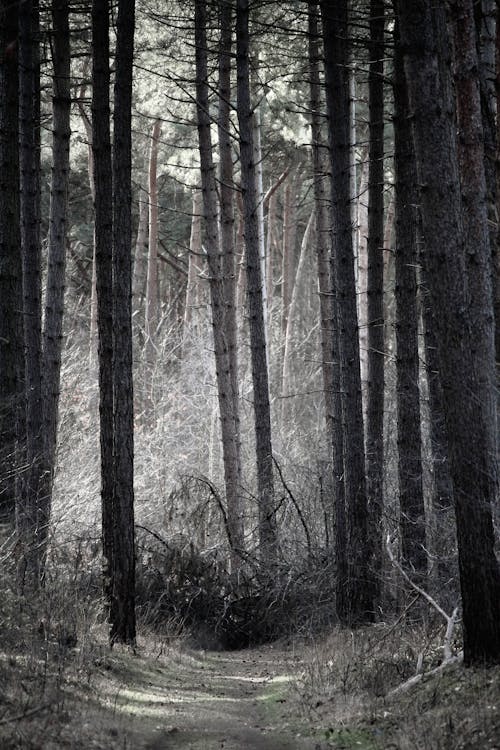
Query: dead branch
(24, 715)
(450, 620)
(414, 586)
(296, 506)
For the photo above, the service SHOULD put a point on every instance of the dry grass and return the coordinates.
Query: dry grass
(344, 686)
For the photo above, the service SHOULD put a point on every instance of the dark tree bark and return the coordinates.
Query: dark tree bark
(471, 162)
(335, 35)
(56, 271)
(101, 146)
(485, 17)
(268, 535)
(495, 246)
(11, 321)
(227, 191)
(329, 332)
(123, 627)
(411, 497)
(375, 293)
(218, 287)
(442, 523)
(464, 332)
(32, 516)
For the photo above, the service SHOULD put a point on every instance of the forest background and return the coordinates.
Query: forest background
(283, 228)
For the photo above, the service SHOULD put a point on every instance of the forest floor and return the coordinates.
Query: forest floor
(178, 698)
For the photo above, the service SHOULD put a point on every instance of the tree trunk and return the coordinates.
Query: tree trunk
(227, 191)
(151, 321)
(194, 269)
(218, 286)
(123, 597)
(375, 293)
(495, 247)
(259, 190)
(101, 146)
(335, 35)
(268, 534)
(411, 498)
(56, 271)
(32, 519)
(293, 316)
(289, 240)
(464, 335)
(140, 257)
(328, 315)
(362, 279)
(486, 21)
(270, 200)
(90, 153)
(11, 301)
(442, 522)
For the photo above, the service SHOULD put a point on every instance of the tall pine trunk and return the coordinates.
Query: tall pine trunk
(268, 533)
(227, 192)
(375, 293)
(442, 525)
(123, 628)
(218, 286)
(328, 314)
(56, 270)
(359, 592)
(411, 497)
(464, 334)
(32, 520)
(103, 232)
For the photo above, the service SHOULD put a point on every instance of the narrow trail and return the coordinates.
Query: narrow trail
(204, 701)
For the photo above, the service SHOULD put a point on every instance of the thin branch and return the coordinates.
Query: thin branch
(414, 586)
(296, 505)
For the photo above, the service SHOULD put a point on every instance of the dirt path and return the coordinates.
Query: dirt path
(235, 701)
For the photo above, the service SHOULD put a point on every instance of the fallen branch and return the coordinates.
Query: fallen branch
(418, 677)
(24, 715)
(451, 620)
(414, 586)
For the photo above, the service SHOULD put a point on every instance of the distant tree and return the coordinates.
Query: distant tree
(268, 534)
(58, 215)
(226, 378)
(464, 331)
(140, 257)
(151, 311)
(195, 265)
(375, 291)
(359, 604)
(328, 311)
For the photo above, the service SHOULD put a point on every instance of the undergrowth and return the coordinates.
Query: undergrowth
(51, 641)
(181, 589)
(352, 692)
